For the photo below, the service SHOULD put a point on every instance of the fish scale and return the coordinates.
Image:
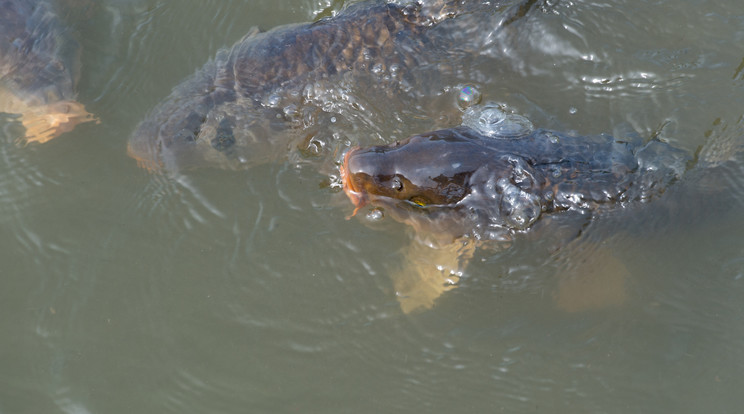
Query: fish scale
(302, 70)
(461, 176)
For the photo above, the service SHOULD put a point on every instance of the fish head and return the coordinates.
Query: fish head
(448, 181)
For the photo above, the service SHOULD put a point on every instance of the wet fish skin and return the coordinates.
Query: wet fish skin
(459, 182)
(38, 54)
(247, 104)
(39, 70)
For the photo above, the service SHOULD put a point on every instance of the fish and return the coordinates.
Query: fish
(459, 188)
(459, 182)
(271, 90)
(39, 70)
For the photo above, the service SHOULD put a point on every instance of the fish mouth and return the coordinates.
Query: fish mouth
(355, 196)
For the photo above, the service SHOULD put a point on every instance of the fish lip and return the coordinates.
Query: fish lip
(355, 196)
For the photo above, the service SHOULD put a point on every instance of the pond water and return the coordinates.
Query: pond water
(248, 291)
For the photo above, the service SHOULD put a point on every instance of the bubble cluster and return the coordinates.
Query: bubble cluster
(519, 208)
(491, 121)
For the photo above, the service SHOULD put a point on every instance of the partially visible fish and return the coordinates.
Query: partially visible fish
(458, 188)
(39, 69)
(459, 182)
(248, 104)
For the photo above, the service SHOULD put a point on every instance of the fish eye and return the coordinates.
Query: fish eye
(396, 184)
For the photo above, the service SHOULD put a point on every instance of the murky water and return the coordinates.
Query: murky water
(221, 291)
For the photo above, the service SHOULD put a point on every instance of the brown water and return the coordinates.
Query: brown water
(219, 291)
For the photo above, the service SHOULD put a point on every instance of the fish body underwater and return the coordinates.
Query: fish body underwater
(39, 70)
(255, 99)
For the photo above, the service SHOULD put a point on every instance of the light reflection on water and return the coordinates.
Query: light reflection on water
(221, 291)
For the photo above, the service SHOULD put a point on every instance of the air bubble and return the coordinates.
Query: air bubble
(469, 95)
(375, 215)
(552, 137)
(396, 184)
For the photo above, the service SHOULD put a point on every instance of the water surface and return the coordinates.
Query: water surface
(221, 291)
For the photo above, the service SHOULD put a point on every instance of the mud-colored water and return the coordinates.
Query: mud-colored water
(248, 291)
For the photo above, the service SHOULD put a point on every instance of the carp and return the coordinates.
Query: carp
(271, 89)
(39, 70)
(459, 188)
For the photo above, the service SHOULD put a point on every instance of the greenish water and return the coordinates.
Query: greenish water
(219, 291)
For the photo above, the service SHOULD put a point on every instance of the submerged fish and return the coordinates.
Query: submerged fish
(39, 69)
(270, 88)
(458, 187)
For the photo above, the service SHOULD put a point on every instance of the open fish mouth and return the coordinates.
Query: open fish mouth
(357, 197)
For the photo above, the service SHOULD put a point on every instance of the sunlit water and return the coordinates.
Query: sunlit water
(221, 291)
